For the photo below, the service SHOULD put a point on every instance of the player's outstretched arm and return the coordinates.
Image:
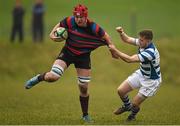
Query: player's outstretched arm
(123, 56)
(109, 42)
(52, 35)
(125, 37)
(107, 38)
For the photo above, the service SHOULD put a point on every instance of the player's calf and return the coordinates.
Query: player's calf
(55, 73)
(126, 107)
(134, 110)
(50, 77)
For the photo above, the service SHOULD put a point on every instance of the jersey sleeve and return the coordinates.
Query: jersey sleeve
(97, 30)
(63, 23)
(136, 42)
(147, 55)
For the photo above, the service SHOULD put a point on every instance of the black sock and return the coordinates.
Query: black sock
(41, 76)
(84, 104)
(127, 102)
(134, 110)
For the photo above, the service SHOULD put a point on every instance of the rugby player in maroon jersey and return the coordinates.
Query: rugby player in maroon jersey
(84, 36)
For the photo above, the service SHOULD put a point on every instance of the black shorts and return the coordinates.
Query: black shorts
(80, 61)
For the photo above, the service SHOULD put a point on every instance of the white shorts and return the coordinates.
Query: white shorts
(147, 87)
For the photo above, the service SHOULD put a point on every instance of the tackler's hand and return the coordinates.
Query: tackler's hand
(119, 29)
(112, 49)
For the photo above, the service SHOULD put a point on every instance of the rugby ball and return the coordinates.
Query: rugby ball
(61, 34)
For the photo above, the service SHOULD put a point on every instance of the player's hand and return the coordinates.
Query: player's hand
(112, 49)
(119, 29)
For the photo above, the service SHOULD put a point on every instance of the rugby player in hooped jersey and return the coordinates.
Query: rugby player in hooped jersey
(147, 78)
(84, 36)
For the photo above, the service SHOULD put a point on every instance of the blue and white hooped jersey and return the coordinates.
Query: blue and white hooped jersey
(149, 61)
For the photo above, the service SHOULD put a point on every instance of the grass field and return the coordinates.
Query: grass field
(58, 103)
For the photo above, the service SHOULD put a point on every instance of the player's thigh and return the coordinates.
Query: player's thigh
(134, 80)
(83, 72)
(83, 62)
(124, 88)
(60, 63)
(83, 67)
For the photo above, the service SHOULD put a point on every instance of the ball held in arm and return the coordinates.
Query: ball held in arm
(61, 34)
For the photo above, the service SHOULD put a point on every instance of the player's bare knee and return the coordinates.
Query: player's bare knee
(55, 73)
(83, 82)
(120, 92)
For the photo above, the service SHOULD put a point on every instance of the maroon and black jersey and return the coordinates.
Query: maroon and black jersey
(82, 39)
